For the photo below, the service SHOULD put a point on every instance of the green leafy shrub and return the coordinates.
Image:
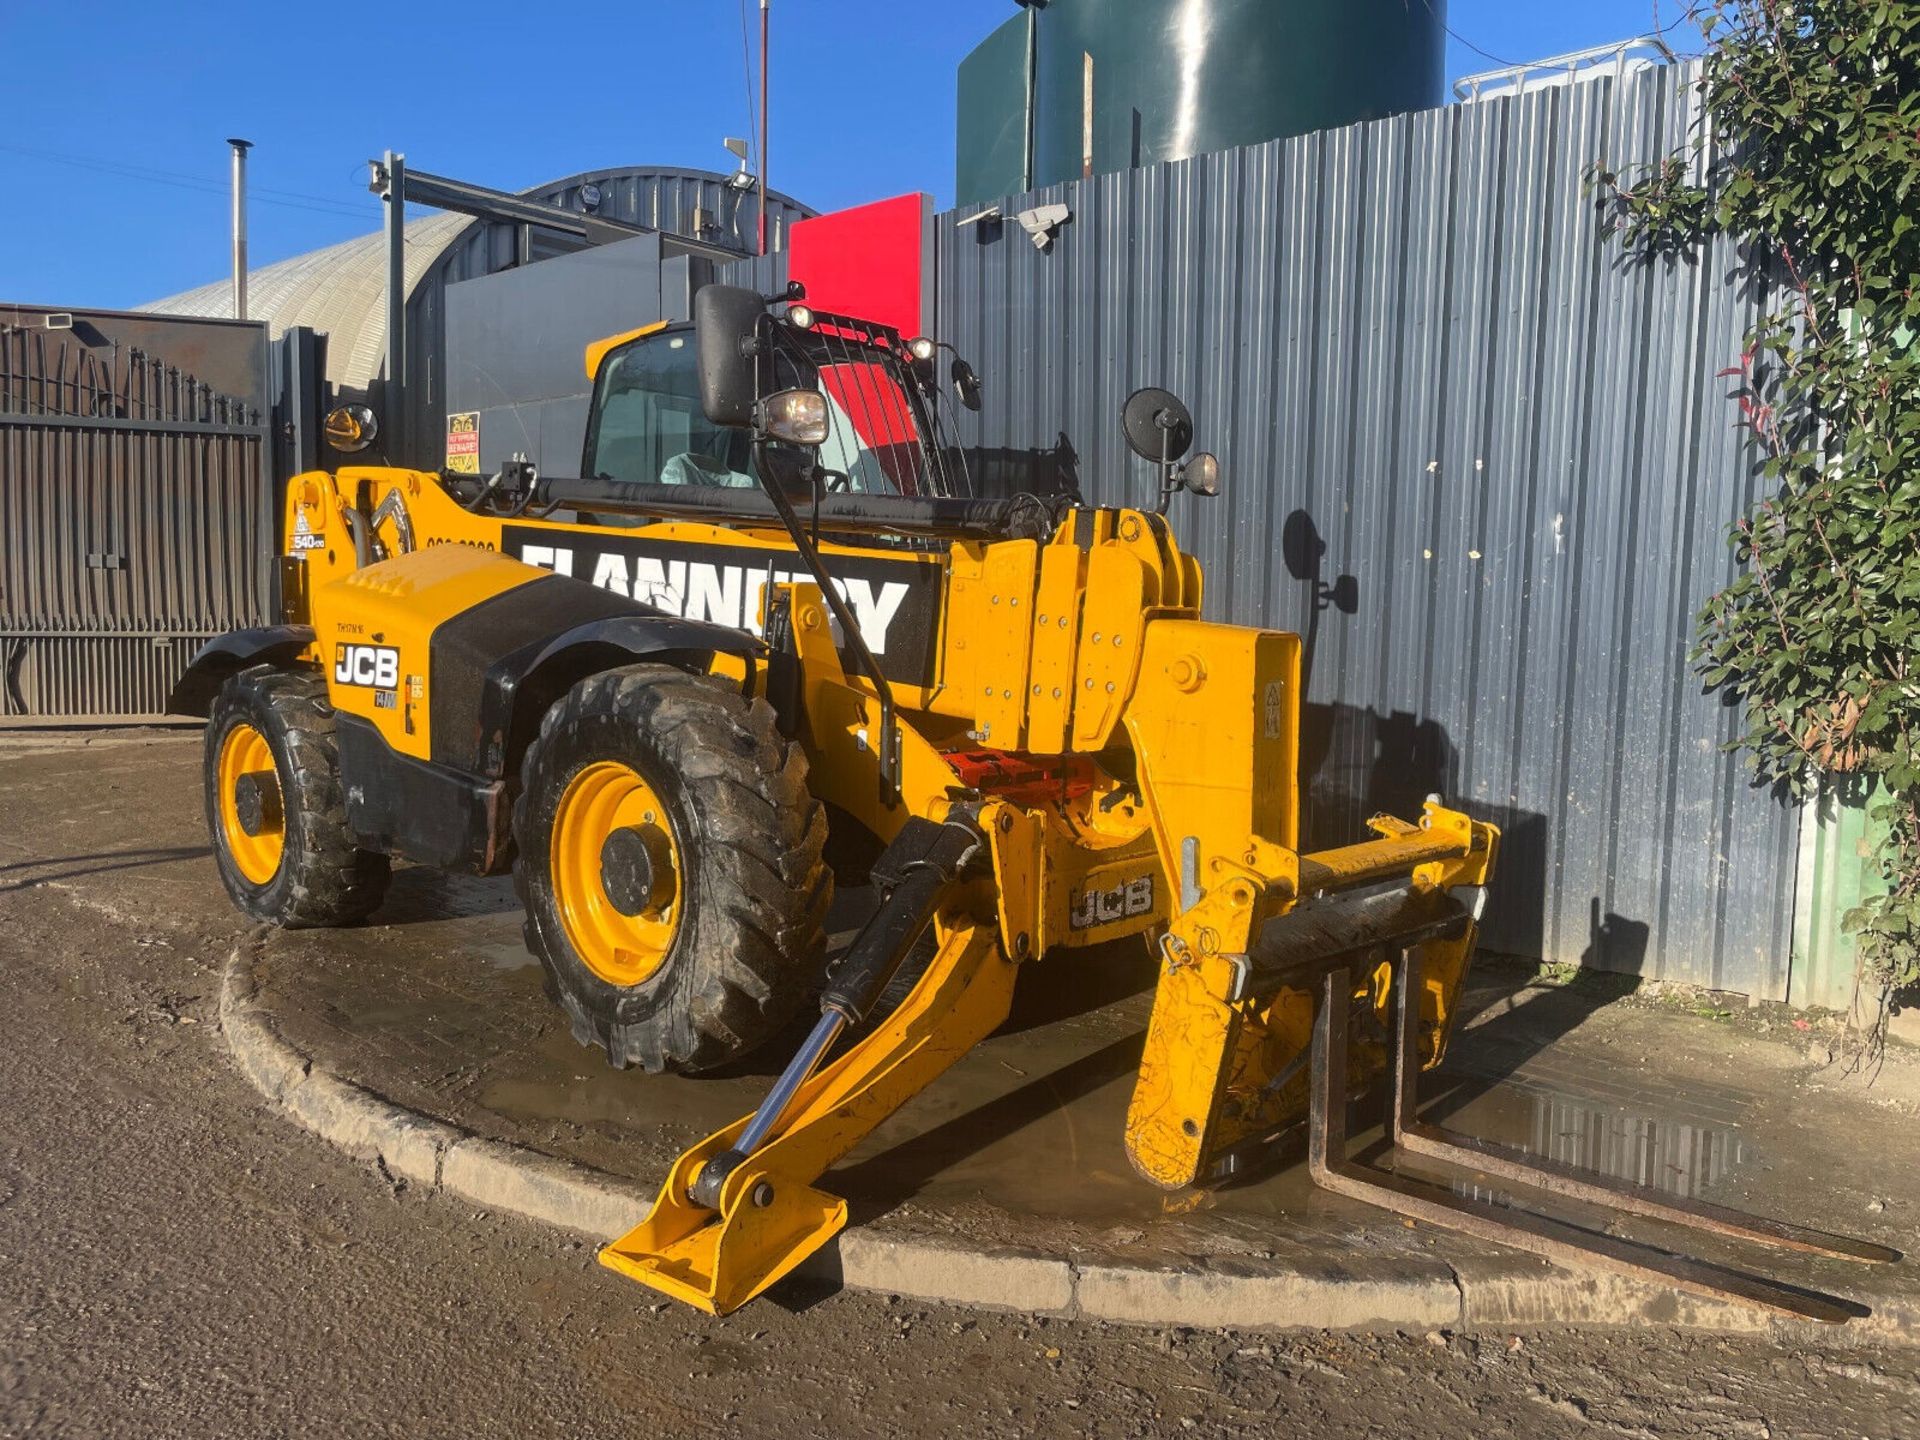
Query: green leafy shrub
(1810, 152)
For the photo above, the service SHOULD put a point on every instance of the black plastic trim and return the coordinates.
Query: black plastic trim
(229, 654)
(425, 812)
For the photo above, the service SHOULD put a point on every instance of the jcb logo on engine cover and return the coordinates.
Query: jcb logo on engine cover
(373, 665)
(1095, 906)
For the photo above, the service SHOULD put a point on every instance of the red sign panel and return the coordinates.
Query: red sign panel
(874, 261)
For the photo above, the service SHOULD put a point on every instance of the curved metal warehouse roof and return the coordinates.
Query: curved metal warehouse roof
(341, 289)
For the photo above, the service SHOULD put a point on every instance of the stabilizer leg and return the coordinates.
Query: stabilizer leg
(769, 1216)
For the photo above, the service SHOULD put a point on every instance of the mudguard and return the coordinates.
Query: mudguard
(542, 638)
(440, 664)
(229, 654)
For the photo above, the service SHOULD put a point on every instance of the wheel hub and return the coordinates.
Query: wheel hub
(256, 802)
(631, 871)
(616, 872)
(251, 810)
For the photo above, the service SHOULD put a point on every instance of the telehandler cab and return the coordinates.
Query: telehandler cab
(771, 634)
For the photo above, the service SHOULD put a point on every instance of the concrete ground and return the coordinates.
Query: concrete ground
(177, 1259)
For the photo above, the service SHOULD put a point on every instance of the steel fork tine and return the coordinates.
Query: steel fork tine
(1556, 1240)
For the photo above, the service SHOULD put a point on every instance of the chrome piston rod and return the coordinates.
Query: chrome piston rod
(916, 871)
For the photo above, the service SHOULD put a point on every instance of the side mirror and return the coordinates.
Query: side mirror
(726, 321)
(966, 383)
(350, 428)
(1157, 426)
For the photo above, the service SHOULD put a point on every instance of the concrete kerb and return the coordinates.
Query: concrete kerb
(1360, 1293)
(435, 1156)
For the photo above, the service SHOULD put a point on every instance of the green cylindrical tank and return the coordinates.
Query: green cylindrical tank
(1120, 83)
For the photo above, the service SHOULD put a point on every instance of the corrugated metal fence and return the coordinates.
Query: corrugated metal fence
(1423, 368)
(133, 511)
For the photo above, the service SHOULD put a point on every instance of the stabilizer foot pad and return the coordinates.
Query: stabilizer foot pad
(717, 1260)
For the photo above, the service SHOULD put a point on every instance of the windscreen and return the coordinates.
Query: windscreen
(879, 420)
(648, 427)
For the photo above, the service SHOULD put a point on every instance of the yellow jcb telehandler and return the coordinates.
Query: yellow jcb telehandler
(769, 635)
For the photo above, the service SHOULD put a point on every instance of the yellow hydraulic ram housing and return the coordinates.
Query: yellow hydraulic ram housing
(1086, 645)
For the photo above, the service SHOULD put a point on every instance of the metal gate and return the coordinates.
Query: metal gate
(135, 505)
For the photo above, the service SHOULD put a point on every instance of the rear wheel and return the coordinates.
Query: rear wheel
(275, 808)
(670, 867)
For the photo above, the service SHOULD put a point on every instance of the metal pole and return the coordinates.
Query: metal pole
(1033, 62)
(393, 422)
(763, 127)
(240, 148)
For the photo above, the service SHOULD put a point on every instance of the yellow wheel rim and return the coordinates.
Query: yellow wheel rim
(621, 948)
(244, 752)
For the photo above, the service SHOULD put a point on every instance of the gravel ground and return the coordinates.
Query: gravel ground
(174, 1261)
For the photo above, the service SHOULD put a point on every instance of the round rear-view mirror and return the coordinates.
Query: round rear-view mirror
(966, 383)
(350, 428)
(1157, 426)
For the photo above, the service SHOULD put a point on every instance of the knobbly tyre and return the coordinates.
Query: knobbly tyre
(771, 635)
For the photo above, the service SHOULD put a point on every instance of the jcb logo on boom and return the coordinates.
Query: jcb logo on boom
(377, 666)
(1095, 906)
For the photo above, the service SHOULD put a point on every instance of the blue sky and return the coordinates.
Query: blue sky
(115, 169)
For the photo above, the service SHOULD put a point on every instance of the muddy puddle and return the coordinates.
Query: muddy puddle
(1671, 1153)
(1031, 1122)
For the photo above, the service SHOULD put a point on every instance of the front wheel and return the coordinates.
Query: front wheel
(275, 808)
(670, 867)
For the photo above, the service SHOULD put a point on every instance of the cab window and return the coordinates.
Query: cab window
(648, 427)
